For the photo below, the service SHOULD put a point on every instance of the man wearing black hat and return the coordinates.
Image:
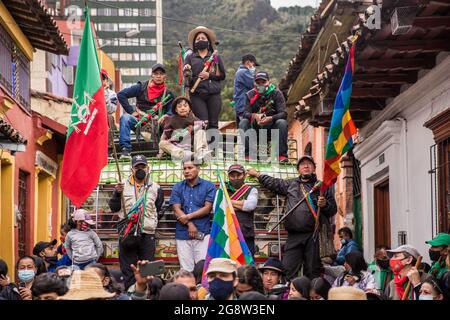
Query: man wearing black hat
(243, 82)
(244, 199)
(47, 252)
(147, 94)
(272, 272)
(301, 248)
(138, 185)
(265, 108)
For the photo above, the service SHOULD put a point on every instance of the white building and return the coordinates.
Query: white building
(396, 149)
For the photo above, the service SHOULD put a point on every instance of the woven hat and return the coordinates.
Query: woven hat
(86, 285)
(346, 293)
(211, 35)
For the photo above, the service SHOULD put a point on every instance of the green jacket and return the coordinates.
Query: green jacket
(438, 269)
(382, 277)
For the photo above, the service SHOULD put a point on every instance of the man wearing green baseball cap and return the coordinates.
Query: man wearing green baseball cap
(438, 253)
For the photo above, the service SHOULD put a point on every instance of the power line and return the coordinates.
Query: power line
(198, 23)
(173, 44)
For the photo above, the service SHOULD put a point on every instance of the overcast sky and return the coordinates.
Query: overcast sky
(287, 3)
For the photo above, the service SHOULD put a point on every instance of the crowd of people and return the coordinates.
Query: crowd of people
(72, 269)
(227, 281)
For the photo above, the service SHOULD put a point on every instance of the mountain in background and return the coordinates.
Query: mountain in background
(251, 26)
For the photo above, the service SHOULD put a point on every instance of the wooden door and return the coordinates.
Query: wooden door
(382, 217)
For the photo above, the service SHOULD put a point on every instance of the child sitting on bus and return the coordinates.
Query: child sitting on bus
(179, 129)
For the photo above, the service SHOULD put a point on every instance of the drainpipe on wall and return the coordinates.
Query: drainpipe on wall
(405, 169)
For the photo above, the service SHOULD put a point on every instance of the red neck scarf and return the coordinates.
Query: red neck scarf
(255, 97)
(155, 90)
(399, 285)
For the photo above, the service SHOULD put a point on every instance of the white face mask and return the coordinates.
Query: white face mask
(252, 70)
(425, 297)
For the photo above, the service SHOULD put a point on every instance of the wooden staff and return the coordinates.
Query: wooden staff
(317, 185)
(205, 69)
(316, 227)
(408, 286)
(111, 133)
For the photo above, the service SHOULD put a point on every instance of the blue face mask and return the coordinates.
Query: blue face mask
(220, 289)
(343, 242)
(26, 275)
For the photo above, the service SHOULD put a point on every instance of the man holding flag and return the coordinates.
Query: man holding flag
(86, 149)
(226, 241)
(301, 249)
(302, 242)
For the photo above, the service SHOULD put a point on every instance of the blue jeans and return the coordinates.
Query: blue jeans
(280, 124)
(127, 123)
(85, 264)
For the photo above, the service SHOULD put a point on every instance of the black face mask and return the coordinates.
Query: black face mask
(383, 264)
(237, 183)
(434, 255)
(307, 176)
(201, 45)
(140, 174)
(51, 260)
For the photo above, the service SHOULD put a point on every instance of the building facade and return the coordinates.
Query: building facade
(133, 46)
(30, 200)
(394, 186)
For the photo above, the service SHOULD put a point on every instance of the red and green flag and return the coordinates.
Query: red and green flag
(342, 126)
(86, 150)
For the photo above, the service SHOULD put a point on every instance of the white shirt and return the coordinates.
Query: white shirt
(252, 201)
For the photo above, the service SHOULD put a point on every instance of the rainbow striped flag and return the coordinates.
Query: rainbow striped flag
(342, 126)
(226, 238)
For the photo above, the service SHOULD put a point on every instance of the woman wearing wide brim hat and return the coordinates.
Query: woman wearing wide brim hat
(209, 33)
(206, 100)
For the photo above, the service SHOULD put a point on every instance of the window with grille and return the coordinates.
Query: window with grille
(14, 70)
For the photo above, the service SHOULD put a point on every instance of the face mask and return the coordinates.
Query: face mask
(343, 242)
(220, 289)
(396, 265)
(260, 88)
(237, 183)
(51, 260)
(202, 45)
(306, 176)
(425, 297)
(383, 264)
(26, 275)
(84, 226)
(140, 174)
(252, 70)
(434, 255)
